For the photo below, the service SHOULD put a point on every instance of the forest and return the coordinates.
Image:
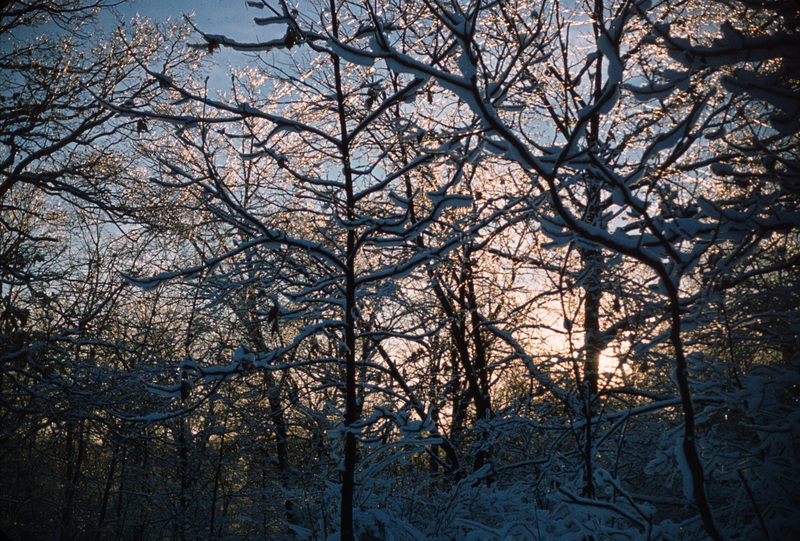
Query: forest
(401, 270)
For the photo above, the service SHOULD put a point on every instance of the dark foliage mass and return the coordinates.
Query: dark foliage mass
(408, 270)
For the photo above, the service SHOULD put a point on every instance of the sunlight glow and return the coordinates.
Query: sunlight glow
(609, 363)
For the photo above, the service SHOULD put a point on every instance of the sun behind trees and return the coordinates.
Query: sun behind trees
(367, 284)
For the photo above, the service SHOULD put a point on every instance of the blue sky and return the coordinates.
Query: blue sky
(230, 17)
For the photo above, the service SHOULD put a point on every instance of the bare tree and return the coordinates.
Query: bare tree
(424, 270)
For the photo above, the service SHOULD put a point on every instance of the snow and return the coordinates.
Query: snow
(606, 102)
(556, 232)
(614, 67)
(689, 227)
(351, 55)
(402, 63)
(211, 373)
(149, 283)
(244, 356)
(652, 91)
(442, 199)
(402, 202)
(188, 362)
(465, 64)
(683, 467)
(731, 38)
(172, 391)
(744, 81)
(719, 133)
(668, 140)
(722, 169)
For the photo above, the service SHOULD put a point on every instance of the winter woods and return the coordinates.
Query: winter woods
(408, 270)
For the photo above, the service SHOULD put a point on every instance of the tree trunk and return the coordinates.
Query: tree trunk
(215, 488)
(183, 476)
(107, 492)
(75, 436)
(352, 410)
